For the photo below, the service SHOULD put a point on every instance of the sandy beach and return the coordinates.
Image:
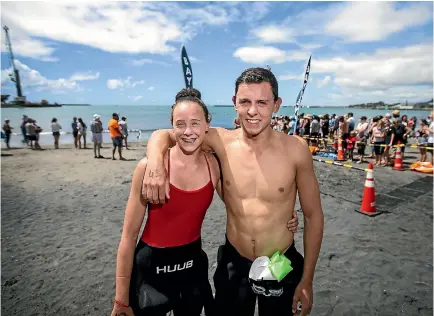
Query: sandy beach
(62, 214)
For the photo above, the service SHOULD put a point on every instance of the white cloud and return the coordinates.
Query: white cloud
(31, 78)
(126, 83)
(386, 68)
(144, 61)
(274, 34)
(151, 88)
(256, 11)
(323, 82)
(384, 19)
(263, 54)
(82, 76)
(117, 27)
(310, 47)
(352, 21)
(24, 46)
(291, 77)
(135, 98)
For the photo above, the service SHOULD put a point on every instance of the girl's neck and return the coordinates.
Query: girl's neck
(190, 159)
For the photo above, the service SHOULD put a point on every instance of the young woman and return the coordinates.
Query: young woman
(82, 128)
(168, 270)
(378, 140)
(55, 129)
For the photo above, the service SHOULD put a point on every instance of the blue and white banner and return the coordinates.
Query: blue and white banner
(186, 68)
(300, 94)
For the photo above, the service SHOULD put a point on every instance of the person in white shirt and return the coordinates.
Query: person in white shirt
(97, 138)
(124, 130)
(362, 137)
(55, 128)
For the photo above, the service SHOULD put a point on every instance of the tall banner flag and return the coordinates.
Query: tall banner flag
(300, 94)
(186, 68)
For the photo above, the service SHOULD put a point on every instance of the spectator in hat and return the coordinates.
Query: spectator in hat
(96, 129)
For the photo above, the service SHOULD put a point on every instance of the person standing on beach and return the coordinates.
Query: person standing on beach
(362, 137)
(148, 281)
(82, 133)
(262, 172)
(32, 133)
(96, 129)
(23, 129)
(8, 131)
(116, 135)
(75, 131)
(124, 130)
(55, 129)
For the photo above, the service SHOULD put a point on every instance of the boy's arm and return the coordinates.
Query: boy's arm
(155, 186)
(309, 195)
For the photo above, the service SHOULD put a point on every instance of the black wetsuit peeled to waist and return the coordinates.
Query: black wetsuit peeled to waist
(236, 294)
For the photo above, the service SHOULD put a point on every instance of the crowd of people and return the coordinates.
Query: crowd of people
(381, 133)
(30, 132)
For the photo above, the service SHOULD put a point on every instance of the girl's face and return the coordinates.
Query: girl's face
(189, 126)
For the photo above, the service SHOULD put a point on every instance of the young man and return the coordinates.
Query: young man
(262, 171)
(116, 135)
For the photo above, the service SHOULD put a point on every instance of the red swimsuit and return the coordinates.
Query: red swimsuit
(178, 221)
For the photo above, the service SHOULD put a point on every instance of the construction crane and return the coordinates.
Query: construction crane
(15, 77)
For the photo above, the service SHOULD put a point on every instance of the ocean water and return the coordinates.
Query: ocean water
(146, 118)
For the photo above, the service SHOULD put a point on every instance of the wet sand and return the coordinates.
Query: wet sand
(62, 214)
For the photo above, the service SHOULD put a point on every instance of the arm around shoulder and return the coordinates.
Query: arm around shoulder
(214, 139)
(159, 142)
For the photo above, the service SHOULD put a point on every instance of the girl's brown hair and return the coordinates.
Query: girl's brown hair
(193, 95)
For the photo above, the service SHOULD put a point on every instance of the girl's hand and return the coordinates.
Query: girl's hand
(122, 311)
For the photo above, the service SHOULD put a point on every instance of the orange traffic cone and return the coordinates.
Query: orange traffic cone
(341, 155)
(397, 165)
(368, 206)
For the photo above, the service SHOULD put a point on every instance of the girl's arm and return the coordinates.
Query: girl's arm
(134, 214)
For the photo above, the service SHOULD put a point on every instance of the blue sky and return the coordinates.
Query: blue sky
(128, 53)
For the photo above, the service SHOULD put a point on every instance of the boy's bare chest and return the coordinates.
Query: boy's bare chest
(267, 176)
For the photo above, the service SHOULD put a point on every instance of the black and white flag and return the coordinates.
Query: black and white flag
(300, 94)
(186, 68)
